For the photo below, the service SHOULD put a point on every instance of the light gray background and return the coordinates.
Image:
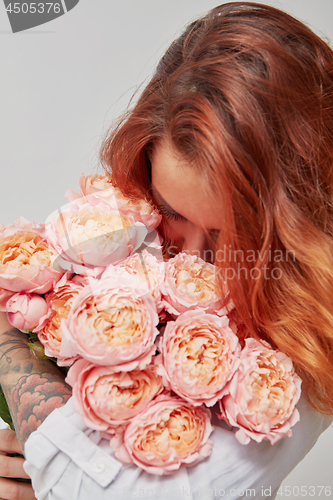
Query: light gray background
(63, 83)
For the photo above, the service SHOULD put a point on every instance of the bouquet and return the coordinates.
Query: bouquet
(152, 347)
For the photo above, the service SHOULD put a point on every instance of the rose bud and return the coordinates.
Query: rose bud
(5, 295)
(24, 310)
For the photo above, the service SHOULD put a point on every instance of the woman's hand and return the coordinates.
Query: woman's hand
(12, 467)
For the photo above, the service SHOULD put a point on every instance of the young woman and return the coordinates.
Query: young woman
(233, 140)
(235, 133)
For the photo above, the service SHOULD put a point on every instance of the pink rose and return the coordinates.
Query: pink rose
(141, 210)
(59, 303)
(107, 400)
(199, 355)
(92, 184)
(262, 395)
(112, 322)
(100, 186)
(88, 237)
(24, 310)
(145, 267)
(25, 259)
(191, 283)
(169, 433)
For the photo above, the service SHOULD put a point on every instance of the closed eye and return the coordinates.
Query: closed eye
(164, 208)
(169, 215)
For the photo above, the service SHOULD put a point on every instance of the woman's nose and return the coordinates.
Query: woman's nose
(195, 242)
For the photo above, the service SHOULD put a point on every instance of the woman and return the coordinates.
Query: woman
(242, 101)
(232, 139)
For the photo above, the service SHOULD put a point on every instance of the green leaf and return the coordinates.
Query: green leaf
(4, 410)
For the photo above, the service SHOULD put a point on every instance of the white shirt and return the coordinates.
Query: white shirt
(68, 461)
(3, 424)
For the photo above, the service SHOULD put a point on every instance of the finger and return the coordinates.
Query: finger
(12, 467)
(13, 490)
(9, 442)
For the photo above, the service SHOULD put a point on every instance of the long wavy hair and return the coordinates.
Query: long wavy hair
(245, 94)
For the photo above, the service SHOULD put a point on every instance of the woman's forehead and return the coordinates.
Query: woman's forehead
(184, 188)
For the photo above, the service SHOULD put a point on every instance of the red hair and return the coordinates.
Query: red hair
(246, 94)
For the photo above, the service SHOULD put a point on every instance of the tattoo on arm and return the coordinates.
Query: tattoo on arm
(33, 388)
(33, 398)
(7, 346)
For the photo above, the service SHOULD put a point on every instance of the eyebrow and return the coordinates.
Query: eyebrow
(164, 204)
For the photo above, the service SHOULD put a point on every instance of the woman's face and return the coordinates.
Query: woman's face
(189, 208)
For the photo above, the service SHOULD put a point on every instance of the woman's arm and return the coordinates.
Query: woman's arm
(33, 388)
